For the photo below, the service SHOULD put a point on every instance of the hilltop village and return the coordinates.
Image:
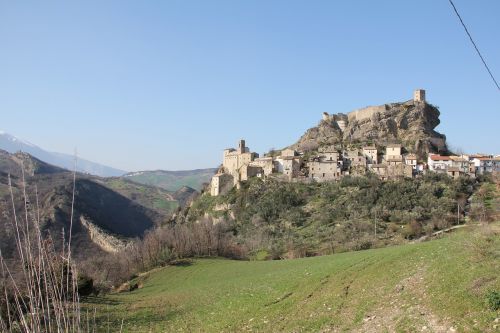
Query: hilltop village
(330, 163)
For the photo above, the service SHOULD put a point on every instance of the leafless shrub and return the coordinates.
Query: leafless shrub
(39, 288)
(163, 246)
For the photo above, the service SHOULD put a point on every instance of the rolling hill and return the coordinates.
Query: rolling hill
(436, 286)
(152, 197)
(173, 180)
(107, 213)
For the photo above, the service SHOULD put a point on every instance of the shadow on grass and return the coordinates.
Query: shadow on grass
(181, 262)
(99, 300)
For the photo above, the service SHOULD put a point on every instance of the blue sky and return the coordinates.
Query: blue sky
(168, 84)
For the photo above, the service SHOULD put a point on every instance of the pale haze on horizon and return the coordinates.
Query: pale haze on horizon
(170, 84)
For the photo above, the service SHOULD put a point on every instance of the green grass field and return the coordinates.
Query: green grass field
(431, 286)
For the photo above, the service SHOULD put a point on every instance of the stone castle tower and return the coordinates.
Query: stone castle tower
(419, 95)
(241, 147)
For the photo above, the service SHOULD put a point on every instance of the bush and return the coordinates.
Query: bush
(261, 255)
(493, 298)
(85, 285)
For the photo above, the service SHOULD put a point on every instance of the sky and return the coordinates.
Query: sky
(141, 85)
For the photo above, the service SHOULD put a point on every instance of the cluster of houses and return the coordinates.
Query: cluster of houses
(329, 164)
(470, 165)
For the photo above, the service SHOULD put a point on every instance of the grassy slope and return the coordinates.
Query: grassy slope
(438, 284)
(151, 197)
(174, 180)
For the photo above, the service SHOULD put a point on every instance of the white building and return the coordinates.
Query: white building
(411, 159)
(486, 164)
(438, 162)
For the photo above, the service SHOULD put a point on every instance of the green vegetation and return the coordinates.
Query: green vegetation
(173, 180)
(297, 219)
(486, 200)
(494, 300)
(439, 284)
(151, 197)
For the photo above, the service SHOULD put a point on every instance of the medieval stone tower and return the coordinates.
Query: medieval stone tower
(241, 147)
(419, 95)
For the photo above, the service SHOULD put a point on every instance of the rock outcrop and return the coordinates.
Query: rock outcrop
(101, 238)
(410, 123)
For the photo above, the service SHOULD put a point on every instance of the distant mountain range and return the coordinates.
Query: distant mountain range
(173, 180)
(12, 145)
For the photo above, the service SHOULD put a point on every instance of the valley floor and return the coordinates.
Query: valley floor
(435, 286)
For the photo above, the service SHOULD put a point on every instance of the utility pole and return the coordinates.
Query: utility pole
(375, 223)
(458, 213)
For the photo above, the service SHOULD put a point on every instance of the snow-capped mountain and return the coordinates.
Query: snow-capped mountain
(13, 144)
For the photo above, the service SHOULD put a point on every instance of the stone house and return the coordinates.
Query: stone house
(323, 170)
(266, 163)
(454, 172)
(288, 165)
(393, 150)
(353, 158)
(386, 171)
(221, 183)
(289, 152)
(463, 164)
(380, 170)
(329, 155)
(370, 152)
(249, 171)
(399, 170)
(393, 154)
(394, 160)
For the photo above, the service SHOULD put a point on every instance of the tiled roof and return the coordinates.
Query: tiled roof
(439, 158)
(485, 158)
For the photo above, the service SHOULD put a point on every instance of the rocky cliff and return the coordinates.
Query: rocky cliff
(410, 123)
(103, 239)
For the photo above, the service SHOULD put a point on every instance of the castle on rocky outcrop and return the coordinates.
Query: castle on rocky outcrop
(328, 152)
(411, 123)
(367, 112)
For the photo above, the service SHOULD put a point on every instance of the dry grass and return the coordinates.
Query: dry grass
(39, 286)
